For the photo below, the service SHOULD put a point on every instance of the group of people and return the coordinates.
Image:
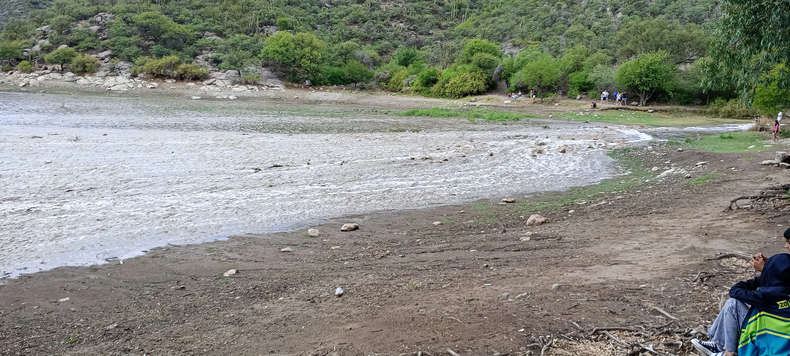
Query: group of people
(619, 98)
(755, 321)
(514, 95)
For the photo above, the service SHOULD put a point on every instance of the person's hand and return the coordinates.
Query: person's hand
(757, 262)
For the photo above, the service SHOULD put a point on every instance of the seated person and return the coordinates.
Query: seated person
(756, 320)
(593, 106)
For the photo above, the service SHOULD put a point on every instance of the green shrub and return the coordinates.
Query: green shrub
(136, 70)
(162, 67)
(427, 79)
(190, 71)
(397, 78)
(84, 64)
(6, 67)
(24, 67)
(464, 84)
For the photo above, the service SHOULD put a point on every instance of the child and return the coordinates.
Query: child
(592, 105)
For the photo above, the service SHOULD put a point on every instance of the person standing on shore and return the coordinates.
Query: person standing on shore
(776, 124)
(604, 94)
(623, 99)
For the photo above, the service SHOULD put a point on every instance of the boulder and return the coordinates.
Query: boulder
(104, 55)
(56, 76)
(769, 162)
(782, 157)
(313, 232)
(784, 165)
(152, 85)
(209, 82)
(535, 220)
(349, 227)
(120, 87)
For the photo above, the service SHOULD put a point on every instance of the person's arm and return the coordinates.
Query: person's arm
(746, 291)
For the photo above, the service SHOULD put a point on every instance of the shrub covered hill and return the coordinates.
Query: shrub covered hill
(443, 48)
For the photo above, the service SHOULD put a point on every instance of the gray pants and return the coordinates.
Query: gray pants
(726, 329)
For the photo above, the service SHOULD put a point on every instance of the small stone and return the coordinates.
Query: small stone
(536, 219)
(768, 162)
(508, 199)
(286, 249)
(507, 101)
(230, 272)
(680, 150)
(349, 227)
(504, 296)
(688, 176)
(655, 169)
(339, 292)
(752, 146)
(313, 232)
(195, 97)
(701, 163)
(437, 223)
(555, 286)
(571, 211)
(64, 300)
(525, 238)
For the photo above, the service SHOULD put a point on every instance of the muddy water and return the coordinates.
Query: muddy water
(85, 179)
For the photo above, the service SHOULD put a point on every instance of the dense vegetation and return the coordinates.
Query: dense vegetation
(449, 48)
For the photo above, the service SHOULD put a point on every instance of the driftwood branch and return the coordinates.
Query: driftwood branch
(451, 352)
(662, 311)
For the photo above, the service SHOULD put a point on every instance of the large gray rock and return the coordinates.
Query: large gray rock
(104, 55)
(120, 87)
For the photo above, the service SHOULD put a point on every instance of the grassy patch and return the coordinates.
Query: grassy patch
(733, 142)
(703, 180)
(633, 179)
(480, 207)
(647, 119)
(472, 114)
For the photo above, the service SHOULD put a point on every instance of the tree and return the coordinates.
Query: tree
(602, 77)
(749, 41)
(684, 43)
(279, 48)
(540, 74)
(476, 46)
(357, 72)
(769, 98)
(309, 53)
(11, 51)
(61, 56)
(647, 74)
(302, 54)
(573, 59)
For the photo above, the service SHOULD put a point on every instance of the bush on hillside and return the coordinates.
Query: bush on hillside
(84, 64)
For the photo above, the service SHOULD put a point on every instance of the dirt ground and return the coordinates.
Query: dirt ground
(480, 283)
